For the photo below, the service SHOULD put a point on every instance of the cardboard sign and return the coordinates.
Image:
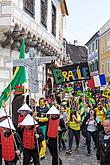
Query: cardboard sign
(69, 73)
(78, 86)
(106, 93)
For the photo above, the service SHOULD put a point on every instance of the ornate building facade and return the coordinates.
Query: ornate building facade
(40, 23)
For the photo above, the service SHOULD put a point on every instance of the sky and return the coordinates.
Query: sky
(85, 18)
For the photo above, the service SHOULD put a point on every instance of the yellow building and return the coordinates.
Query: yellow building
(104, 49)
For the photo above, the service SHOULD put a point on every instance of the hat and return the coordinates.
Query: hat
(28, 120)
(53, 111)
(24, 107)
(19, 89)
(7, 123)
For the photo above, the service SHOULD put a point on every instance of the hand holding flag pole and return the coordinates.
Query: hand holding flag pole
(19, 156)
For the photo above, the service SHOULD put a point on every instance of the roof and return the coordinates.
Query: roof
(92, 38)
(77, 53)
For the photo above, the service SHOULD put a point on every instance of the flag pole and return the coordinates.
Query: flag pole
(84, 93)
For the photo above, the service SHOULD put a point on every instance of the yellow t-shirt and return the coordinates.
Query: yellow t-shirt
(101, 114)
(73, 124)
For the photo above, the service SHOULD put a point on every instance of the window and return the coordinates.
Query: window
(96, 65)
(108, 66)
(93, 47)
(53, 19)
(29, 7)
(102, 67)
(102, 45)
(92, 67)
(89, 49)
(96, 46)
(108, 43)
(44, 12)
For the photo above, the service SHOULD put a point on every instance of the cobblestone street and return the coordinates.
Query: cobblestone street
(76, 158)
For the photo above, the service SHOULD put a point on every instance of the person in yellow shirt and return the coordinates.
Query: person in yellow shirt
(73, 129)
(101, 114)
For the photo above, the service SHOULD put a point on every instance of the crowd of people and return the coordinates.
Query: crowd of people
(53, 122)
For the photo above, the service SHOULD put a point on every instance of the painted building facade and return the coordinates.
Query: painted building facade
(105, 50)
(93, 54)
(40, 22)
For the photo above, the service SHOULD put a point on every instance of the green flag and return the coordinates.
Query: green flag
(19, 77)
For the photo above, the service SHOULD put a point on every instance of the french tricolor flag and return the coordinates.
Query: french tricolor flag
(97, 81)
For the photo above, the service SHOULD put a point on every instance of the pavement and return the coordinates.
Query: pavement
(76, 158)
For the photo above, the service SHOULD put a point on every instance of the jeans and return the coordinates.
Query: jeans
(88, 139)
(76, 133)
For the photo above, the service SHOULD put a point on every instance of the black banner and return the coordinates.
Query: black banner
(69, 73)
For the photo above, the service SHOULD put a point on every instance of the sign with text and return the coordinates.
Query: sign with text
(106, 93)
(78, 86)
(69, 73)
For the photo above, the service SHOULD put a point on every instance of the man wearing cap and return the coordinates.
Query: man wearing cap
(10, 149)
(32, 138)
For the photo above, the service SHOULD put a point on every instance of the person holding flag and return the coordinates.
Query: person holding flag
(11, 142)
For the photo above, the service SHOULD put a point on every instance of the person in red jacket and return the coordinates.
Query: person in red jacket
(10, 150)
(32, 138)
(53, 130)
(3, 116)
(23, 111)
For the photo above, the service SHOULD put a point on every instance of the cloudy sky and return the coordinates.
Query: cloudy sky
(85, 18)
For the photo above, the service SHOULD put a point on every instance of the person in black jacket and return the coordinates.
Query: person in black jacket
(103, 145)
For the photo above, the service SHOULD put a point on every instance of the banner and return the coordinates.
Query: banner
(78, 86)
(69, 73)
(19, 77)
(97, 81)
(106, 93)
